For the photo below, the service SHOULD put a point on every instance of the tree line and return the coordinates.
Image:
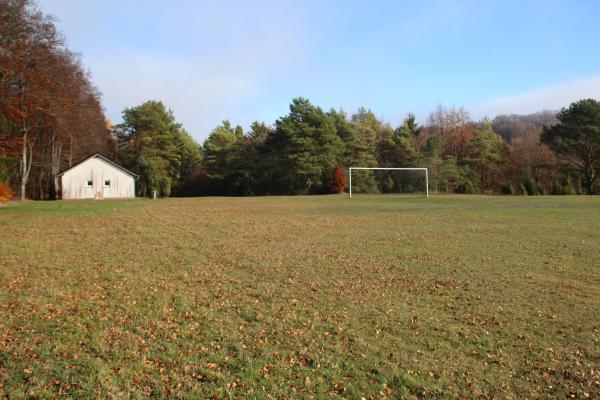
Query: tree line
(51, 117)
(309, 150)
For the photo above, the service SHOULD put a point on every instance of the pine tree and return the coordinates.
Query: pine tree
(485, 155)
(304, 149)
(443, 171)
(577, 136)
(358, 151)
(151, 147)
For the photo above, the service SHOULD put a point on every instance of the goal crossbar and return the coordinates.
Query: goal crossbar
(389, 169)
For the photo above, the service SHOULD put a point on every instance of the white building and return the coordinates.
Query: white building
(97, 177)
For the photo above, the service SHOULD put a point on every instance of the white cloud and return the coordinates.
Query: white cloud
(552, 97)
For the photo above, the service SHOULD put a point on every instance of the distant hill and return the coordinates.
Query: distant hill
(514, 126)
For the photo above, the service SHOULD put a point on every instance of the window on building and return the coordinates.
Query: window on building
(89, 183)
(106, 183)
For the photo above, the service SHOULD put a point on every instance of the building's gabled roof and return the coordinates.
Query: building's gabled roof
(100, 156)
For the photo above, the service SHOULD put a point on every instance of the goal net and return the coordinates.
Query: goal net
(388, 180)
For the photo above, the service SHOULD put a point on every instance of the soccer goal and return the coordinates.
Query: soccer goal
(387, 169)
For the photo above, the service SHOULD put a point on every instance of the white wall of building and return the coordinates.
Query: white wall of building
(98, 171)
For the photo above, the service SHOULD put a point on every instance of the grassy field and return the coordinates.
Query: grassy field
(301, 297)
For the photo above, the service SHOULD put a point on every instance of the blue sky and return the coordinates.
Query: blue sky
(245, 61)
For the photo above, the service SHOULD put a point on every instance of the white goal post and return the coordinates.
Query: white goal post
(389, 169)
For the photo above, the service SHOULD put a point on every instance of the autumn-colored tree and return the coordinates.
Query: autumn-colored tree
(455, 127)
(28, 39)
(6, 193)
(339, 180)
(528, 157)
(46, 97)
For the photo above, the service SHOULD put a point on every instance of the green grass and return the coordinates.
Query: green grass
(301, 297)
